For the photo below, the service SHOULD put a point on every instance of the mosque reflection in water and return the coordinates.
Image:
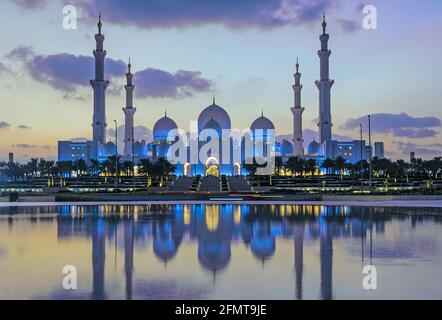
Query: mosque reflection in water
(213, 228)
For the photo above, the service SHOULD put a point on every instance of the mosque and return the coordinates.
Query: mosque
(215, 120)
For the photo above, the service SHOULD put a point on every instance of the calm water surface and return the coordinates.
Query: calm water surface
(220, 252)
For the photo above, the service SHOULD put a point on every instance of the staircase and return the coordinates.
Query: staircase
(210, 184)
(239, 184)
(182, 184)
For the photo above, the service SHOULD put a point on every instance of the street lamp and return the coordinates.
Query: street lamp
(133, 160)
(371, 151)
(116, 155)
(362, 164)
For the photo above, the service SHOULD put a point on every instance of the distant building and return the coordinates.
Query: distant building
(72, 151)
(379, 150)
(352, 151)
(412, 156)
(11, 157)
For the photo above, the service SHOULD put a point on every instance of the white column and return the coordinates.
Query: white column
(129, 112)
(99, 86)
(324, 86)
(297, 111)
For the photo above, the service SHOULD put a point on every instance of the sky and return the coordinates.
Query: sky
(244, 52)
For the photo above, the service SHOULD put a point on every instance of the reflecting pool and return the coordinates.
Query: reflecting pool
(209, 251)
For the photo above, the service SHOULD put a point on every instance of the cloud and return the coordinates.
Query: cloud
(264, 14)
(140, 133)
(64, 71)
(310, 135)
(4, 125)
(24, 146)
(68, 73)
(421, 150)
(348, 26)
(400, 125)
(24, 127)
(3, 68)
(79, 139)
(21, 53)
(31, 4)
(415, 133)
(158, 83)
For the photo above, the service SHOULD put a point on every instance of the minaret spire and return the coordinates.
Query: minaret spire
(99, 85)
(324, 24)
(297, 111)
(214, 102)
(129, 112)
(324, 86)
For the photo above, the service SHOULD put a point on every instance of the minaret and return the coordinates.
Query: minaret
(99, 85)
(129, 112)
(324, 86)
(297, 111)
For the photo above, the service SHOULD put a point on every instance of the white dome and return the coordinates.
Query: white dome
(162, 128)
(216, 113)
(262, 123)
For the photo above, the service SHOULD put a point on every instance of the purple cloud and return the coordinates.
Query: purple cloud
(309, 135)
(21, 53)
(231, 13)
(66, 72)
(4, 125)
(24, 127)
(3, 68)
(31, 4)
(158, 83)
(348, 26)
(401, 125)
(415, 133)
(24, 146)
(425, 150)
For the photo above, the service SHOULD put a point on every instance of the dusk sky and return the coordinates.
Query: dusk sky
(244, 52)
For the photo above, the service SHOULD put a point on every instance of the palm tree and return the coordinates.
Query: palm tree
(328, 164)
(94, 167)
(340, 166)
(279, 164)
(310, 166)
(126, 168)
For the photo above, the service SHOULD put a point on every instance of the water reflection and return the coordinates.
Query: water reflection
(214, 229)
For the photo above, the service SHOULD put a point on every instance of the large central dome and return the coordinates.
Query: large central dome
(216, 113)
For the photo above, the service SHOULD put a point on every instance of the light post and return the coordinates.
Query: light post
(362, 164)
(371, 151)
(116, 155)
(133, 160)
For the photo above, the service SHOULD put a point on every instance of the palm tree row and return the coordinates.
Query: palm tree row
(385, 168)
(41, 168)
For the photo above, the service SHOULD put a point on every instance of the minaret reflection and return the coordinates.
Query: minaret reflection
(98, 258)
(128, 255)
(168, 235)
(326, 258)
(263, 243)
(299, 257)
